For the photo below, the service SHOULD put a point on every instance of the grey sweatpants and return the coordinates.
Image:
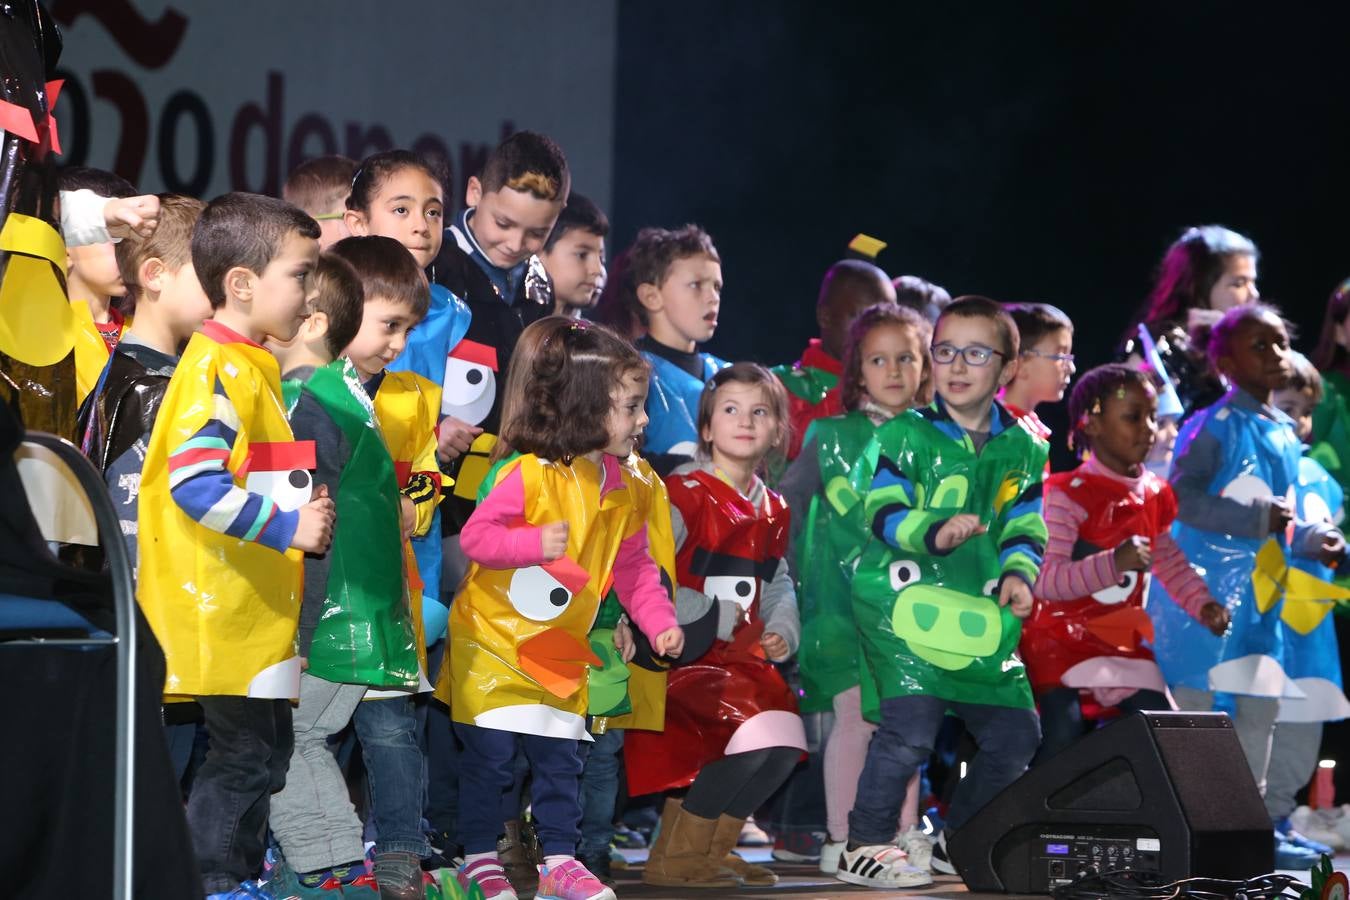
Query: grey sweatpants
(1293, 760)
(1254, 723)
(313, 817)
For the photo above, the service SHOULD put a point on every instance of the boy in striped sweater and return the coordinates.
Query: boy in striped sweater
(227, 507)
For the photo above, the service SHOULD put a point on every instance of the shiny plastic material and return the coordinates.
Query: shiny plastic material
(1081, 642)
(365, 634)
(518, 648)
(731, 699)
(1331, 428)
(672, 404)
(930, 623)
(224, 610)
(1312, 656)
(1260, 459)
(831, 541)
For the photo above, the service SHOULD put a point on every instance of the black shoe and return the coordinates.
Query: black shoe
(599, 866)
(942, 863)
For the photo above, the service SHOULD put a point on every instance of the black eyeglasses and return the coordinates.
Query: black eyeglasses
(974, 355)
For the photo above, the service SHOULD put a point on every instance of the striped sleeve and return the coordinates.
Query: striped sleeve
(1174, 570)
(424, 484)
(1021, 539)
(1061, 577)
(202, 484)
(894, 517)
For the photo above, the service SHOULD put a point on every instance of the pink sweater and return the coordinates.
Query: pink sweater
(495, 537)
(1062, 578)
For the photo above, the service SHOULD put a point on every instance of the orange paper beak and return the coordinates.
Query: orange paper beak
(557, 661)
(1120, 627)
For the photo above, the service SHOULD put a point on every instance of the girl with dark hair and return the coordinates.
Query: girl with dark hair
(562, 519)
(1206, 272)
(886, 370)
(1085, 645)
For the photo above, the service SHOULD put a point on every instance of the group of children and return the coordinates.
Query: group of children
(377, 470)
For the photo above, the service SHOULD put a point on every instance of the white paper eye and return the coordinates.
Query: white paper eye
(740, 588)
(1246, 488)
(990, 587)
(289, 490)
(537, 595)
(467, 391)
(903, 573)
(1118, 593)
(1315, 509)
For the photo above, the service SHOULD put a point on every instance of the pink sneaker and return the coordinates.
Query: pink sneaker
(571, 880)
(490, 877)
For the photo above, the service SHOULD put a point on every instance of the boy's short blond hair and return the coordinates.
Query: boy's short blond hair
(320, 186)
(171, 242)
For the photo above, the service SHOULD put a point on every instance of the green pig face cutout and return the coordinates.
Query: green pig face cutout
(945, 625)
(952, 623)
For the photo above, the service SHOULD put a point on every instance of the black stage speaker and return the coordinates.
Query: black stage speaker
(1162, 792)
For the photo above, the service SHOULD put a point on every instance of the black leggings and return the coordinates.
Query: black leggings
(737, 785)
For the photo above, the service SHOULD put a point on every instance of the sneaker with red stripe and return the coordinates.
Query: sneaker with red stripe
(490, 877)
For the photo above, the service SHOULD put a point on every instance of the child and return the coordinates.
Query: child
(1331, 418)
(396, 298)
(574, 256)
(320, 187)
(93, 282)
(1108, 523)
(561, 519)
(171, 306)
(222, 527)
(356, 630)
(849, 286)
(732, 734)
(489, 261)
(939, 594)
(395, 194)
(1312, 655)
(886, 371)
(1045, 366)
(1205, 272)
(922, 296)
(1235, 464)
(673, 282)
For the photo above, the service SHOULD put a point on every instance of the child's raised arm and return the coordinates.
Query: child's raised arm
(1193, 469)
(1061, 576)
(894, 517)
(637, 581)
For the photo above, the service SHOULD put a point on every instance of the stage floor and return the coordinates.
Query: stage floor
(803, 881)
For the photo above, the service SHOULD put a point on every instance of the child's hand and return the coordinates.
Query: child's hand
(127, 216)
(409, 509)
(1214, 616)
(623, 641)
(454, 438)
(553, 540)
(957, 530)
(1333, 548)
(304, 663)
(1015, 594)
(315, 531)
(669, 642)
(775, 647)
(1280, 516)
(1135, 554)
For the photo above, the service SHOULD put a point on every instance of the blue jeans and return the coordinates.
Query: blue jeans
(387, 730)
(246, 762)
(487, 771)
(599, 791)
(1007, 739)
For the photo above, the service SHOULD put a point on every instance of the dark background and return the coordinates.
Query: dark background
(1044, 152)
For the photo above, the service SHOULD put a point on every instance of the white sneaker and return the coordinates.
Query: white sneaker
(830, 851)
(940, 861)
(1321, 825)
(918, 846)
(880, 866)
(753, 836)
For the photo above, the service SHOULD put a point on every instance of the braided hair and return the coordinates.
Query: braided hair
(1090, 393)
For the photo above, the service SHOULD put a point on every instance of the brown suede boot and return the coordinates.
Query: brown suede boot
(679, 858)
(720, 853)
(516, 858)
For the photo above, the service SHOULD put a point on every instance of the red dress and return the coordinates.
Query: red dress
(731, 699)
(1110, 624)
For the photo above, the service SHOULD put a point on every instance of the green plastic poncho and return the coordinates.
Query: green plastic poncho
(365, 633)
(930, 622)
